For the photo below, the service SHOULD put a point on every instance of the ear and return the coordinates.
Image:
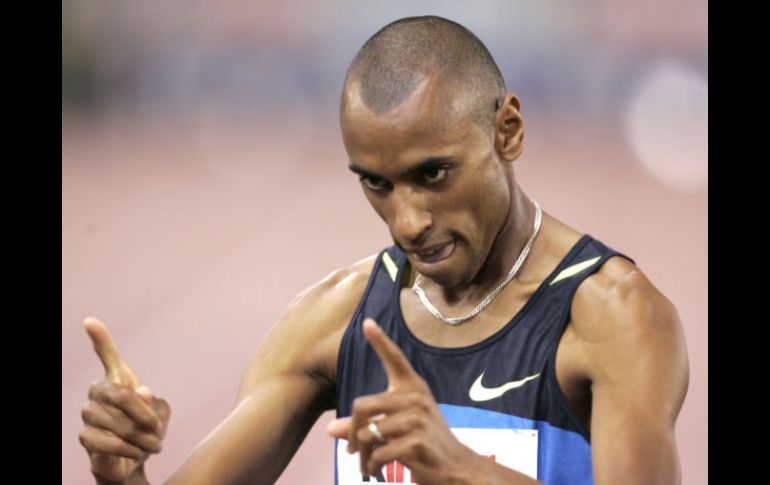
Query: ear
(509, 135)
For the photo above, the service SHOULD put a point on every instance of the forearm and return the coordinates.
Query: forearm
(254, 443)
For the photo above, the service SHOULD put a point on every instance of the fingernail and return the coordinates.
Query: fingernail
(145, 393)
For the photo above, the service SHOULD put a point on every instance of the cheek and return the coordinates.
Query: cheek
(377, 204)
(483, 213)
(487, 201)
(493, 189)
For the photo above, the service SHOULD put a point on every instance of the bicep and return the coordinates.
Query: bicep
(630, 443)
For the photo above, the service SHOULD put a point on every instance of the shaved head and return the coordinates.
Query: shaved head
(395, 60)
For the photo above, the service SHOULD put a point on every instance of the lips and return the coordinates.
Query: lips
(434, 254)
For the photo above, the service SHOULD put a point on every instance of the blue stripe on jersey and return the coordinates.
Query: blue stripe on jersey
(563, 457)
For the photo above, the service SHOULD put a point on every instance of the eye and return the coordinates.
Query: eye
(435, 175)
(374, 183)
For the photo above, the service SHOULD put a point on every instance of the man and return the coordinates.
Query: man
(503, 338)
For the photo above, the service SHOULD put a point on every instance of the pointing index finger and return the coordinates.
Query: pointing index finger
(397, 367)
(106, 349)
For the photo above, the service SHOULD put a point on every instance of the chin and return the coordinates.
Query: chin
(451, 273)
(447, 278)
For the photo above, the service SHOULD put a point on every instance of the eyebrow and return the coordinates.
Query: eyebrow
(426, 164)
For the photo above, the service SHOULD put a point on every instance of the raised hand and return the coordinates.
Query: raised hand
(411, 426)
(122, 422)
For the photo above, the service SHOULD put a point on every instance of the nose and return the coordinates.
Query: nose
(412, 223)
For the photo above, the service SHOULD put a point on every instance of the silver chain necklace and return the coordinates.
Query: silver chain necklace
(491, 296)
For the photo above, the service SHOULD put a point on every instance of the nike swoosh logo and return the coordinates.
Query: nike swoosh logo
(480, 393)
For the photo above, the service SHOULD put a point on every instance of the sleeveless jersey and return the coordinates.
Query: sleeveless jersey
(495, 393)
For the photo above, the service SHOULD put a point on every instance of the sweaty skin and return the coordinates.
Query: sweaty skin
(435, 178)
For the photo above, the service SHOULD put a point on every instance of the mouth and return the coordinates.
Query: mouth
(435, 253)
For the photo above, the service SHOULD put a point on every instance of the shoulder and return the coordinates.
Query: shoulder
(619, 297)
(627, 326)
(333, 298)
(306, 338)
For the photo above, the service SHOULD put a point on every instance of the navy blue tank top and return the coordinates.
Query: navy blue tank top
(505, 382)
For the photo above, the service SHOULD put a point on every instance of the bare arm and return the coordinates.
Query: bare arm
(636, 359)
(288, 384)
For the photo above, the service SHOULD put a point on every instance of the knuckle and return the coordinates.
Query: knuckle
(122, 396)
(421, 401)
(87, 413)
(131, 433)
(423, 386)
(146, 441)
(415, 400)
(415, 448)
(112, 443)
(117, 446)
(95, 389)
(144, 423)
(83, 438)
(415, 421)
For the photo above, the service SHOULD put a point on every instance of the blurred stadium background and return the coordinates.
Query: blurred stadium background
(204, 181)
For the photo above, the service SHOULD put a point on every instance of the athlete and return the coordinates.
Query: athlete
(491, 343)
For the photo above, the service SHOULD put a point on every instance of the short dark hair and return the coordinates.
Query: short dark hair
(391, 64)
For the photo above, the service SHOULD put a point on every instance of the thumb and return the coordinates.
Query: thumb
(128, 376)
(339, 428)
(145, 393)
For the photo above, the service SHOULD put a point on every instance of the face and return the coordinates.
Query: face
(433, 176)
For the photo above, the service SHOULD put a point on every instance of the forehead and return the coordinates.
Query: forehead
(428, 123)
